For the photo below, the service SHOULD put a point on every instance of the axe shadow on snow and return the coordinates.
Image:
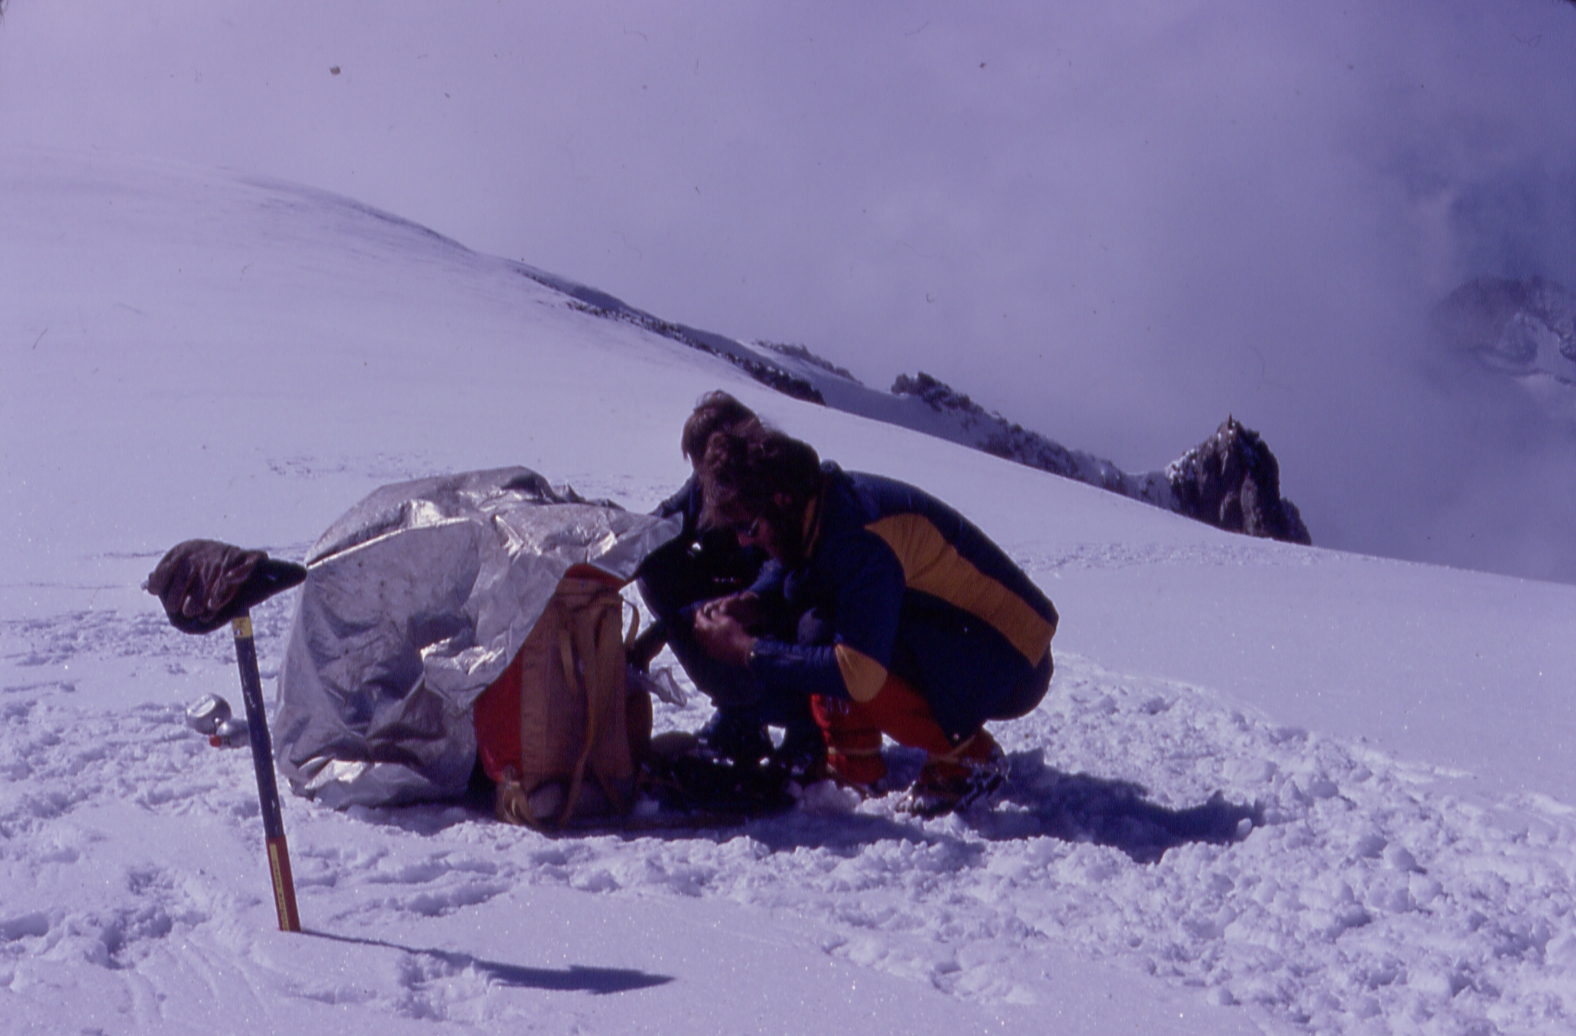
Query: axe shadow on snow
(574, 978)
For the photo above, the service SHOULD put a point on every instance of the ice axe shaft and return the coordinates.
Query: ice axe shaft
(203, 584)
(267, 788)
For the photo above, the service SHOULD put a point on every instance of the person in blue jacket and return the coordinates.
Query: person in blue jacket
(913, 624)
(703, 564)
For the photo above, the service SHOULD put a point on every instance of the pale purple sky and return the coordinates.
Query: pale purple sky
(1114, 223)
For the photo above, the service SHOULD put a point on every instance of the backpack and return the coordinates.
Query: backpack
(562, 731)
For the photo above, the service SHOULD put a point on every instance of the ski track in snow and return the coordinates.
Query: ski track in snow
(1373, 898)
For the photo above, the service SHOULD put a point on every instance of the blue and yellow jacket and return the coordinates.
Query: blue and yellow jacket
(907, 586)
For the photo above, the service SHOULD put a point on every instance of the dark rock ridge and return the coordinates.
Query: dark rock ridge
(801, 352)
(609, 307)
(1231, 480)
(991, 432)
(768, 374)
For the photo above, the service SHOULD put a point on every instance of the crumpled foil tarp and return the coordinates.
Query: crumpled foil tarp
(414, 602)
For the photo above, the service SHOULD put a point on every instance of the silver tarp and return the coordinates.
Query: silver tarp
(415, 600)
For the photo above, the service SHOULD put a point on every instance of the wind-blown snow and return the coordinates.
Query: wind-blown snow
(193, 353)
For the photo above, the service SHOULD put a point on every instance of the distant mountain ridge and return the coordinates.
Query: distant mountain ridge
(1520, 330)
(1230, 481)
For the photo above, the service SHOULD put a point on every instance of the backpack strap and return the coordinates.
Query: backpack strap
(609, 649)
(634, 629)
(586, 638)
(566, 651)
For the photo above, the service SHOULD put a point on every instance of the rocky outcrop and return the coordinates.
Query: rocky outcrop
(1232, 481)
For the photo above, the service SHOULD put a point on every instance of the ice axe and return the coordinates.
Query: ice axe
(204, 584)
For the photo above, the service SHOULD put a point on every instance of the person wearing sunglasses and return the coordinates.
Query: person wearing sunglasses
(911, 623)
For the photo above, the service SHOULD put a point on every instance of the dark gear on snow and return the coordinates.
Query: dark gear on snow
(204, 584)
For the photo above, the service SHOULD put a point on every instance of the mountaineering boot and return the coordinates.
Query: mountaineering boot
(968, 775)
(735, 735)
(802, 755)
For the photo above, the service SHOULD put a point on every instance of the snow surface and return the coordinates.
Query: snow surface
(196, 353)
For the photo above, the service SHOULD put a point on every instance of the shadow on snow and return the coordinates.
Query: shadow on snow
(1084, 808)
(1037, 801)
(574, 978)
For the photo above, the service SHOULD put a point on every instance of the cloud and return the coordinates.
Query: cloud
(1114, 223)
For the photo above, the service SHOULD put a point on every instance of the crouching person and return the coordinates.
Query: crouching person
(702, 565)
(913, 624)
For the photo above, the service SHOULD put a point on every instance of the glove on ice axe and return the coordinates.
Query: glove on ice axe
(203, 584)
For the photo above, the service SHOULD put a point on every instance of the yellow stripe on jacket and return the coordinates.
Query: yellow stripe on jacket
(862, 675)
(934, 566)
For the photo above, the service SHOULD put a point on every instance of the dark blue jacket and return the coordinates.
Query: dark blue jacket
(909, 586)
(689, 501)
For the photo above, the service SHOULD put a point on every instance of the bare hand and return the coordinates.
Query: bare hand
(743, 608)
(723, 637)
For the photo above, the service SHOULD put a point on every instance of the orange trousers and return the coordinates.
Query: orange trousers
(853, 729)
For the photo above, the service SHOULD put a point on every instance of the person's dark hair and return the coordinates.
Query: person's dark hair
(714, 412)
(752, 471)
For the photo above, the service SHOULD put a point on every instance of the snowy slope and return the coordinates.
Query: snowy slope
(195, 353)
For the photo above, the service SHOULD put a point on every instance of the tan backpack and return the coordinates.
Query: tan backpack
(562, 731)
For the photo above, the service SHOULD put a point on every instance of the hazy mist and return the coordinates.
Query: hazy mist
(1115, 224)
